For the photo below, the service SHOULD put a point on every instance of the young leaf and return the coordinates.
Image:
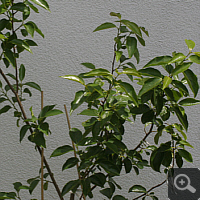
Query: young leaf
(177, 57)
(118, 55)
(138, 189)
(22, 71)
(41, 3)
(61, 150)
(181, 68)
(195, 59)
(149, 84)
(33, 85)
(71, 162)
(74, 78)
(98, 72)
(105, 26)
(115, 14)
(190, 44)
(166, 81)
(89, 112)
(185, 154)
(131, 71)
(161, 60)
(192, 81)
(131, 45)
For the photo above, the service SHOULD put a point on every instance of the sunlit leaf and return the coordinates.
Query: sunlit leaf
(177, 57)
(131, 71)
(138, 189)
(161, 60)
(33, 85)
(195, 58)
(190, 44)
(74, 78)
(181, 68)
(189, 102)
(132, 26)
(131, 45)
(115, 14)
(41, 3)
(89, 112)
(166, 81)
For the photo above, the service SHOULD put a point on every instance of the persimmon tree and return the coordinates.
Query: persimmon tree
(154, 94)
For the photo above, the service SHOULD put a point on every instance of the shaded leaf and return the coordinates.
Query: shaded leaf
(22, 71)
(131, 45)
(88, 65)
(75, 135)
(98, 179)
(70, 186)
(150, 72)
(129, 90)
(189, 102)
(71, 162)
(23, 131)
(115, 14)
(89, 112)
(132, 26)
(61, 150)
(105, 25)
(179, 160)
(156, 160)
(33, 85)
(10, 57)
(185, 154)
(5, 109)
(119, 197)
(192, 81)
(53, 112)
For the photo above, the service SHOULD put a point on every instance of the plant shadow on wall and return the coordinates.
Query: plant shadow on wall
(100, 153)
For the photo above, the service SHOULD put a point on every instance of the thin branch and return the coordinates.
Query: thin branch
(145, 137)
(30, 129)
(75, 155)
(150, 189)
(42, 158)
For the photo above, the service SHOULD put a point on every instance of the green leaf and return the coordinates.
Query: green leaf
(89, 112)
(118, 55)
(127, 164)
(53, 112)
(33, 85)
(2, 36)
(190, 44)
(74, 78)
(150, 72)
(129, 90)
(195, 59)
(115, 14)
(189, 102)
(156, 160)
(29, 26)
(10, 57)
(131, 71)
(147, 117)
(88, 65)
(30, 42)
(161, 60)
(7, 195)
(177, 57)
(70, 186)
(166, 81)
(71, 162)
(132, 26)
(181, 68)
(19, 7)
(181, 87)
(98, 72)
(22, 44)
(2, 99)
(149, 84)
(98, 179)
(61, 150)
(105, 26)
(75, 135)
(22, 71)
(33, 185)
(138, 189)
(17, 185)
(119, 197)
(107, 192)
(185, 143)
(38, 138)
(185, 154)
(109, 167)
(182, 117)
(192, 81)
(179, 160)
(41, 3)
(23, 131)
(3, 23)
(32, 6)
(131, 45)
(5, 109)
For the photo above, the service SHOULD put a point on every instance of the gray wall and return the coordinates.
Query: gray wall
(68, 42)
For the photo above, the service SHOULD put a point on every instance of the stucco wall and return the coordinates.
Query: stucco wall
(69, 41)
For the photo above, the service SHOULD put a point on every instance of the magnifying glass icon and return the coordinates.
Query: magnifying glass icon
(182, 182)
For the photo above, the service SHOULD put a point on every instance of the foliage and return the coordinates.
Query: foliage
(100, 154)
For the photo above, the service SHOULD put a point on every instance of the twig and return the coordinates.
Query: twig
(145, 137)
(75, 155)
(150, 189)
(42, 158)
